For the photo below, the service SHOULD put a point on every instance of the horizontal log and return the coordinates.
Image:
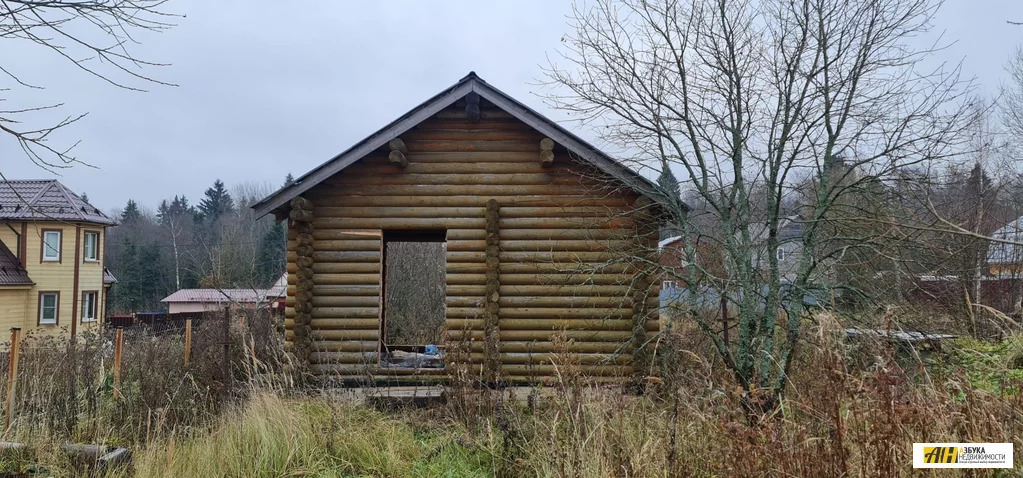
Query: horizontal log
(544, 234)
(345, 346)
(465, 257)
(564, 279)
(400, 211)
(547, 347)
(546, 335)
(347, 245)
(467, 134)
(377, 167)
(551, 359)
(344, 357)
(463, 145)
(398, 223)
(599, 370)
(493, 180)
(347, 334)
(349, 234)
(594, 290)
(345, 312)
(460, 190)
(346, 279)
(550, 312)
(346, 256)
(557, 257)
(564, 245)
(346, 290)
(346, 267)
(543, 301)
(550, 326)
(333, 199)
(345, 301)
(337, 324)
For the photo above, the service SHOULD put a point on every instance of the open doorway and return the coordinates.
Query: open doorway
(412, 310)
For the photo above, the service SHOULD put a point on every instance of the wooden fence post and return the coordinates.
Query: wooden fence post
(188, 340)
(118, 340)
(12, 375)
(227, 349)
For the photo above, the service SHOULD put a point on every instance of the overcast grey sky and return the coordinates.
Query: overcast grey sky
(267, 91)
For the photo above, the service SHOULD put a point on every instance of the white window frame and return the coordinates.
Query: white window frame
(668, 284)
(94, 296)
(43, 307)
(780, 253)
(46, 247)
(95, 246)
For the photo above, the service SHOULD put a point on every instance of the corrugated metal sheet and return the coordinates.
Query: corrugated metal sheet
(11, 272)
(41, 200)
(217, 295)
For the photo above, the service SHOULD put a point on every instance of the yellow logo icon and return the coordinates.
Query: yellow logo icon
(941, 454)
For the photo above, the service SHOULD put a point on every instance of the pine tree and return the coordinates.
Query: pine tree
(289, 180)
(217, 202)
(272, 249)
(85, 197)
(131, 212)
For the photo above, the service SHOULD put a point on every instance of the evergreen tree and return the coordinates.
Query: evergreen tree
(85, 197)
(217, 202)
(131, 212)
(289, 180)
(272, 254)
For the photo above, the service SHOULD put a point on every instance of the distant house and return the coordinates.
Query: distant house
(52, 253)
(1006, 260)
(203, 300)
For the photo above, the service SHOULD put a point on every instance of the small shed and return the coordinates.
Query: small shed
(471, 231)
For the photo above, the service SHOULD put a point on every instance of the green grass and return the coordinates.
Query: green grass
(274, 437)
(995, 367)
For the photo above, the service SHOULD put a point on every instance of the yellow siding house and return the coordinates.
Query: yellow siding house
(52, 277)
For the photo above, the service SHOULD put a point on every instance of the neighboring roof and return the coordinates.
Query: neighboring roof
(667, 242)
(470, 83)
(1002, 253)
(46, 199)
(108, 277)
(279, 289)
(217, 295)
(11, 272)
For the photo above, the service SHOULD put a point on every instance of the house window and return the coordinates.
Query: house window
(89, 306)
(91, 246)
(668, 285)
(48, 307)
(780, 253)
(51, 246)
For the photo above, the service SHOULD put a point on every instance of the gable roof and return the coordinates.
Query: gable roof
(46, 200)
(217, 296)
(11, 272)
(470, 83)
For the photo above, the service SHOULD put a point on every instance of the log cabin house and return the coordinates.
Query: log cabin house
(543, 244)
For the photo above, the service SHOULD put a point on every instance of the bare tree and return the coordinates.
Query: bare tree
(742, 99)
(94, 36)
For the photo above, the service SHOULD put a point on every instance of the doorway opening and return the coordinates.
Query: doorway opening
(412, 309)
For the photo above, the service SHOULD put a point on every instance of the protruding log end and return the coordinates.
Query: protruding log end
(399, 158)
(546, 158)
(546, 151)
(397, 144)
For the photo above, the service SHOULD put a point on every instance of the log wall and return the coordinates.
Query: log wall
(543, 259)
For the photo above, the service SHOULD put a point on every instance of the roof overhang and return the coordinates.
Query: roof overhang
(471, 83)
